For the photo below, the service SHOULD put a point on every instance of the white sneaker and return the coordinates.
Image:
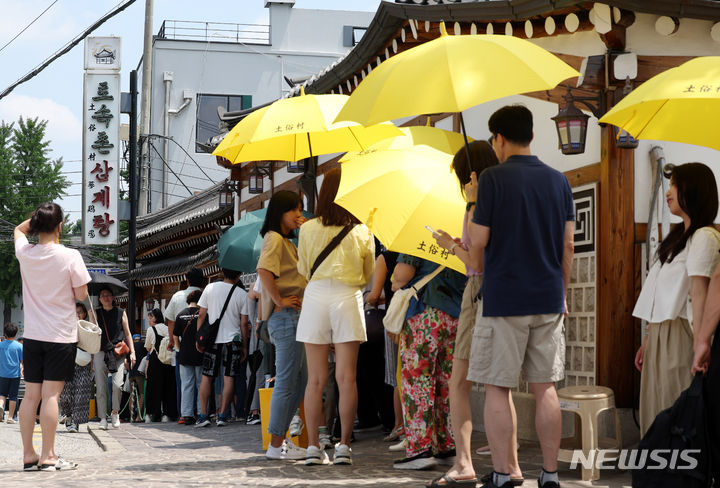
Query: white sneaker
(315, 456)
(103, 424)
(10, 420)
(296, 426)
(71, 427)
(325, 441)
(165, 419)
(292, 451)
(343, 454)
(275, 452)
(115, 417)
(148, 420)
(400, 446)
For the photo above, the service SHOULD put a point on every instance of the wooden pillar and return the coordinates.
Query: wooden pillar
(616, 270)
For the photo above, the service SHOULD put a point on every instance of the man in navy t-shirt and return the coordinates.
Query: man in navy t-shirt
(524, 224)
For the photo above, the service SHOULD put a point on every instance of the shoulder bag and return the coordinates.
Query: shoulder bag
(396, 311)
(120, 349)
(207, 333)
(330, 247)
(164, 354)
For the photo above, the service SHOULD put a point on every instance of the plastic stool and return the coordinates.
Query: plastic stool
(587, 402)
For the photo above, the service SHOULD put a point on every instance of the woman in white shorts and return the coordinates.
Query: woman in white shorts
(332, 312)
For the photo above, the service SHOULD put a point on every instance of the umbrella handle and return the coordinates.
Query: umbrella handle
(92, 309)
(464, 133)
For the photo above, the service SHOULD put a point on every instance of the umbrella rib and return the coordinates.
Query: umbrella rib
(649, 119)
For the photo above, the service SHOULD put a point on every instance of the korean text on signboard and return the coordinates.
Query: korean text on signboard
(101, 156)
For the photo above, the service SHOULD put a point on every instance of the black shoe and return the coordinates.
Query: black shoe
(189, 420)
(253, 419)
(549, 484)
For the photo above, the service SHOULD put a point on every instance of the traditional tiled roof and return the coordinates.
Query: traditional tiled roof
(392, 17)
(161, 228)
(172, 270)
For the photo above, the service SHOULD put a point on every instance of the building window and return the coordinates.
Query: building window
(352, 35)
(208, 122)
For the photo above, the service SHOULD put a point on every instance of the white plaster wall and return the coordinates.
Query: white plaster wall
(308, 30)
(691, 39)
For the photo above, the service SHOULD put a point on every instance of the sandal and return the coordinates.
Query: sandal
(515, 481)
(395, 435)
(448, 480)
(30, 466)
(60, 465)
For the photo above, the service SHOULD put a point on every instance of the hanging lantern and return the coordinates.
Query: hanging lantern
(226, 196)
(571, 125)
(149, 303)
(624, 140)
(296, 166)
(255, 181)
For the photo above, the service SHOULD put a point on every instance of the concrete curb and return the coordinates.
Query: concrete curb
(104, 439)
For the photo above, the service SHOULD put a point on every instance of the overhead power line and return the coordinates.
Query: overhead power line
(28, 26)
(67, 47)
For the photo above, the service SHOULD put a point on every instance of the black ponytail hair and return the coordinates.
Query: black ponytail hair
(45, 218)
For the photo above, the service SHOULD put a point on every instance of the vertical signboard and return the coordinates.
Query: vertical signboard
(101, 140)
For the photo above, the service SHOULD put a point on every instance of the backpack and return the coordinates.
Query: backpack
(163, 354)
(680, 427)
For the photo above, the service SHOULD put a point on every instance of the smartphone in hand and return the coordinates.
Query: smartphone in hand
(431, 229)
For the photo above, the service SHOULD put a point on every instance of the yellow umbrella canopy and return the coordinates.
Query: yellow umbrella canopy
(681, 105)
(396, 193)
(443, 140)
(452, 74)
(296, 128)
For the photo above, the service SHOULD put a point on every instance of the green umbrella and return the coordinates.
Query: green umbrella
(239, 247)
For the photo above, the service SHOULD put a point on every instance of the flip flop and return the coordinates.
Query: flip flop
(60, 465)
(30, 466)
(449, 481)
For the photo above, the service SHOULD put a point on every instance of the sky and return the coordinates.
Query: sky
(55, 94)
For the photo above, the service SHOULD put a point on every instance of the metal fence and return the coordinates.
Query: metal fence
(186, 30)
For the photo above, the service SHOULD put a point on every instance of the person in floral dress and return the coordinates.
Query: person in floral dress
(426, 352)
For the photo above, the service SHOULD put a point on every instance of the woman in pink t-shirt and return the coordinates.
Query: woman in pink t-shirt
(53, 277)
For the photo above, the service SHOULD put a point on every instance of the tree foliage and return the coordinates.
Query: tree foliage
(28, 177)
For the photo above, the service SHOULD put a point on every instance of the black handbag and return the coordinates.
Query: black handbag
(208, 332)
(374, 324)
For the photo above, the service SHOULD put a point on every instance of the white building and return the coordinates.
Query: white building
(200, 66)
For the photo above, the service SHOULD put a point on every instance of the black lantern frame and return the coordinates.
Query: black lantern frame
(226, 195)
(571, 122)
(255, 178)
(623, 139)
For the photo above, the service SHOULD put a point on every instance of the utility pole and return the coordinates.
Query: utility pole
(145, 109)
(132, 164)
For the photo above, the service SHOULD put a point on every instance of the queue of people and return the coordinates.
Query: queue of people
(501, 321)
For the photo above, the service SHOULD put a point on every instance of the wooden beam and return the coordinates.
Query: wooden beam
(616, 270)
(583, 176)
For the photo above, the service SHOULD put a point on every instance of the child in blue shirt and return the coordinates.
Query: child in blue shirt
(11, 365)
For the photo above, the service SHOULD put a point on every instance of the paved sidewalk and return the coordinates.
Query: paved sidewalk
(167, 454)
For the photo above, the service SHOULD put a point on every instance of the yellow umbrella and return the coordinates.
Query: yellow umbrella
(452, 74)
(296, 128)
(396, 193)
(681, 104)
(443, 140)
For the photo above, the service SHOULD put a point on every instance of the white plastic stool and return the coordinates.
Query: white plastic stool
(587, 402)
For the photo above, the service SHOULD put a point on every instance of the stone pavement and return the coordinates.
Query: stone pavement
(167, 454)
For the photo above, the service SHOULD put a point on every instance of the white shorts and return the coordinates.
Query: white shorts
(332, 313)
